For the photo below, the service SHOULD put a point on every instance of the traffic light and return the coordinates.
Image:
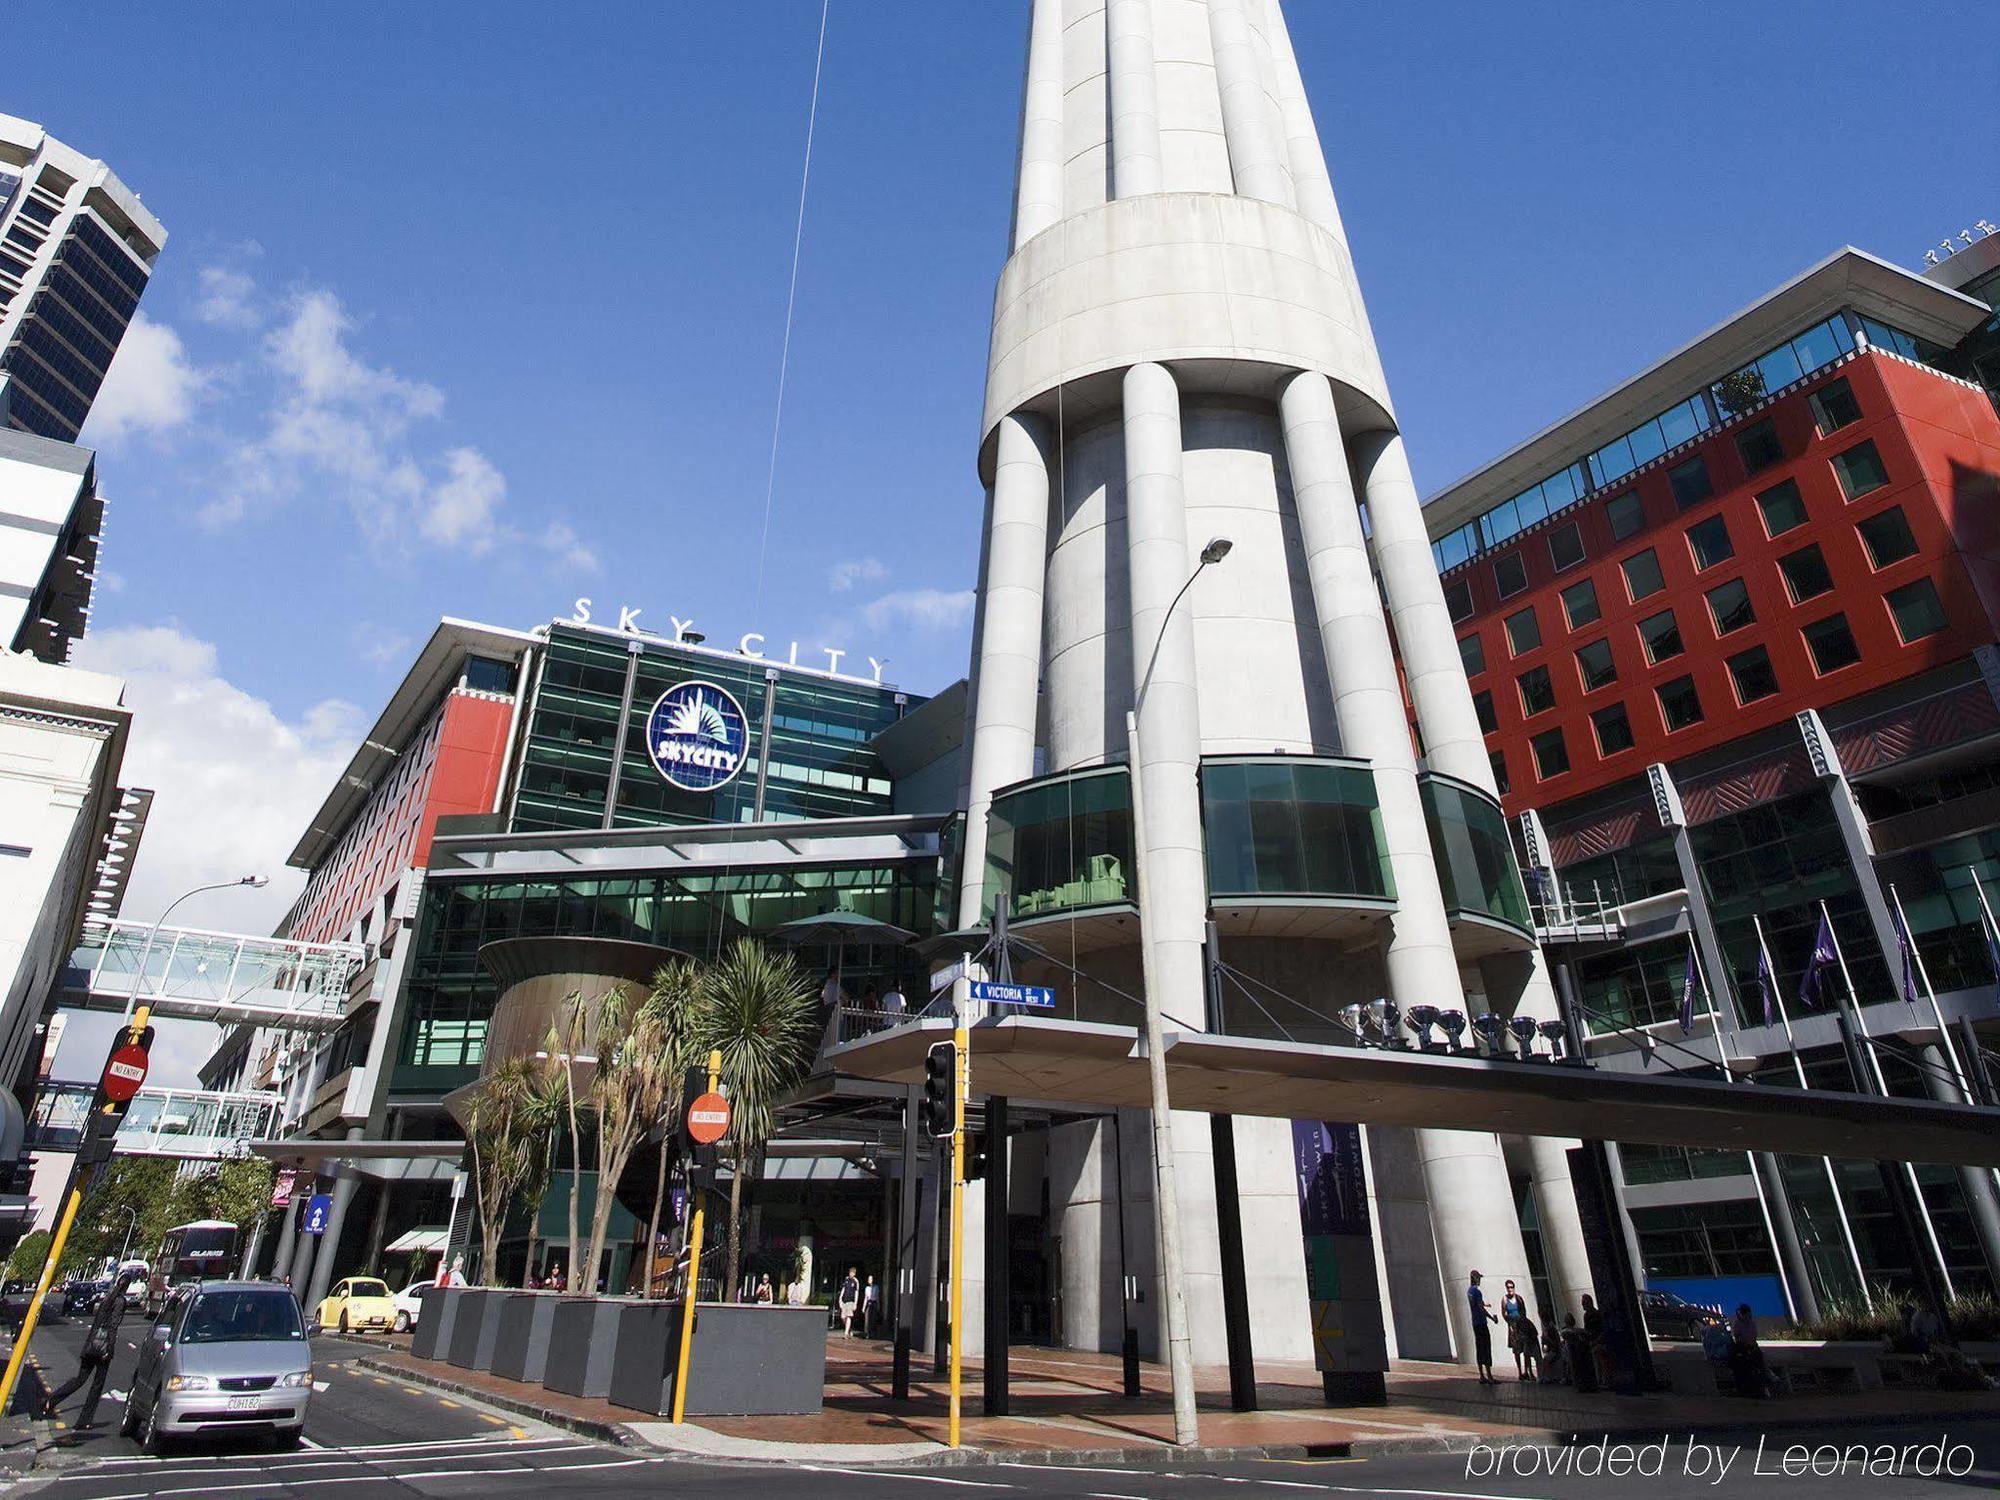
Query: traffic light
(975, 1155)
(937, 1114)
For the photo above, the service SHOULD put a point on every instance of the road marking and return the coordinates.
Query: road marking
(476, 1447)
(487, 1416)
(1351, 1489)
(443, 1402)
(970, 1484)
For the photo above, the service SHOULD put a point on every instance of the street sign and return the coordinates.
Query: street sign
(319, 1208)
(708, 1119)
(124, 1071)
(1037, 997)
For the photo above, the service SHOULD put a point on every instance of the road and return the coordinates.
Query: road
(371, 1436)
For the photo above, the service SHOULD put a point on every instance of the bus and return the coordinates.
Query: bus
(202, 1251)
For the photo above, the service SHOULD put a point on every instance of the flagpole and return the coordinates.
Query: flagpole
(1882, 1082)
(1756, 1177)
(1826, 1162)
(1937, 1012)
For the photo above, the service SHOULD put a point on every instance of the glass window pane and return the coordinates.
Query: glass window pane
(1688, 420)
(1729, 606)
(1831, 643)
(1472, 654)
(1538, 694)
(1752, 675)
(1500, 523)
(1647, 442)
(1551, 754)
(1613, 727)
(1662, 635)
(1680, 706)
(1690, 482)
(1566, 546)
(1887, 537)
(1531, 507)
(1860, 470)
(1759, 446)
(1613, 461)
(1642, 575)
(1782, 507)
(1510, 574)
(1820, 345)
(1523, 633)
(1806, 574)
(1580, 603)
(1917, 610)
(1708, 541)
(1594, 665)
(1626, 513)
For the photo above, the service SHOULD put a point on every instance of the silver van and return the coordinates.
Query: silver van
(224, 1356)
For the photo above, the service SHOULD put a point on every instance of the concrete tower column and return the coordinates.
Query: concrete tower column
(1311, 183)
(1136, 161)
(1009, 661)
(1257, 157)
(1465, 1173)
(1038, 189)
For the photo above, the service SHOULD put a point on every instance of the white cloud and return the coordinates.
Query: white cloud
(843, 576)
(461, 511)
(151, 385)
(922, 609)
(227, 298)
(569, 552)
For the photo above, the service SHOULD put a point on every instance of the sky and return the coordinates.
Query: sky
(477, 308)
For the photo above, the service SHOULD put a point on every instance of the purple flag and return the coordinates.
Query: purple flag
(1824, 957)
(1765, 992)
(1687, 994)
(1907, 950)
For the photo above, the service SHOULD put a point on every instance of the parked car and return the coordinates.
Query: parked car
(357, 1303)
(1671, 1317)
(14, 1299)
(82, 1294)
(226, 1356)
(409, 1304)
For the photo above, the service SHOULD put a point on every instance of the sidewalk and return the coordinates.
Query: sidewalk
(1071, 1405)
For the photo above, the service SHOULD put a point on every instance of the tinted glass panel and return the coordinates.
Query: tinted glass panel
(1729, 606)
(1751, 672)
(1859, 470)
(1626, 513)
(1759, 446)
(1566, 546)
(1917, 610)
(1834, 407)
(1482, 708)
(1299, 828)
(1680, 705)
(1538, 694)
(1805, 573)
(1690, 482)
(1594, 665)
(1831, 643)
(1458, 599)
(1551, 754)
(1887, 537)
(1709, 542)
(1523, 633)
(1510, 576)
(1662, 635)
(1782, 507)
(1472, 654)
(1642, 574)
(1614, 729)
(1580, 604)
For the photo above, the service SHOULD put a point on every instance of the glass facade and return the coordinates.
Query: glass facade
(1062, 845)
(1638, 870)
(819, 732)
(1287, 826)
(451, 996)
(1475, 859)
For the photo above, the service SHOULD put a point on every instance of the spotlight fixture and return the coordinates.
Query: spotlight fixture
(1389, 1023)
(1355, 1015)
(1557, 1036)
(1523, 1028)
(1422, 1019)
(1453, 1023)
(1492, 1031)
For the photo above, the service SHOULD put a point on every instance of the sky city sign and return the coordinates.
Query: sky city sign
(697, 736)
(751, 643)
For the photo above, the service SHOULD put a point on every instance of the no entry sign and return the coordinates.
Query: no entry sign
(124, 1072)
(708, 1119)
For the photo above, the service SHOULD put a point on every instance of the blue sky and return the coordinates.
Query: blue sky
(473, 308)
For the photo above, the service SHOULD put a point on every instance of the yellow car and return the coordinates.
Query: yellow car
(357, 1303)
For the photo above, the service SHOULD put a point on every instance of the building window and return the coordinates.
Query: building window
(1918, 610)
(1751, 673)
(1595, 666)
(1680, 705)
(1626, 513)
(1662, 635)
(1833, 406)
(1566, 546)
(1709, 542)
(1805, 573)
(1614, 729)
(1729, 606)
(1783, 508)
(1887, 537)
(1458, 599)
(484, 675)
(1538, 691)
(1759, 445)
(1690, 482)
(1499, 763)
(1472, 654)
(1523, 633)
(1859, 470)
(1510, 574)
(1482, 708)
(1831, 643)
(1580, 604)
(1642, 574)
(1551, 754)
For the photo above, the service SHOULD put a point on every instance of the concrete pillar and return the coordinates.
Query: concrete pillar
(329, 1248)
(281, 1262)
(1009, 663)
(1473, 1218)
(1976, 1182)
(302, 1256)
(1136, 164)
(1311, 183)
(1257, 157)
(1038, 187)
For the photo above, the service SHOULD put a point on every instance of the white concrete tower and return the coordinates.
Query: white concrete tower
(1180, 352)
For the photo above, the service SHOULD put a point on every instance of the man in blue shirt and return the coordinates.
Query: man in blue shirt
(1482, 1334)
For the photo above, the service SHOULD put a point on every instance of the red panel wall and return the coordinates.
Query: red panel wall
(1940, 444)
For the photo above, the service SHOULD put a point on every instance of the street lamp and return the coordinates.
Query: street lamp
(254, 882)
(1180, 1350)
(125, 1249)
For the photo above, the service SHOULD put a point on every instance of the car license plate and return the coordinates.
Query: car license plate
(242, 1403)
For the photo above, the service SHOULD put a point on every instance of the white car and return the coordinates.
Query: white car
(408, 1305)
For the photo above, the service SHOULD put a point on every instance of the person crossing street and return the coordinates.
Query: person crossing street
(94, 1363)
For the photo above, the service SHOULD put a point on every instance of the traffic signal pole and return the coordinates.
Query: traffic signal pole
(699, 1217)
(105, 1113)
(961, 1041)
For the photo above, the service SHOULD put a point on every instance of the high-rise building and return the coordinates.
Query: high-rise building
(1733, 630)
(50, 514)
(76, 249)
(1181, 354)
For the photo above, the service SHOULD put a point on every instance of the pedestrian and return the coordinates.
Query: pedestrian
(1482, 1335)
(850, 1299)
(556, 1281)
(1553, 1370)
(1594, 1340)
(94, 1363)
(893, 1003)
(1746, 1354)
(871, 1306)
(1528, 1347)
(1513, 1309)
(766, 1293)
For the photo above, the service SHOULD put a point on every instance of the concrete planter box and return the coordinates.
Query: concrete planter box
(473, 1309)
(583, 1340)
(747, 1360)
(437, 1312)
(521, 1332)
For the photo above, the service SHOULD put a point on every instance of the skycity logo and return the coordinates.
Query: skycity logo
(697, 736)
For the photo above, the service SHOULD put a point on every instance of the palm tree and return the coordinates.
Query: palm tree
(758, 1009)
(505, 1151)
(565, 1044)
(677, 994)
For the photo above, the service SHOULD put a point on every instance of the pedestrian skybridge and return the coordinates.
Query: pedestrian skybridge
(1048, 1061)
(190, 1124)
(224, 977)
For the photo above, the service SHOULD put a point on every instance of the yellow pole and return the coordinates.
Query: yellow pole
(693, 1269)
(962, 1044)
(73, 1203)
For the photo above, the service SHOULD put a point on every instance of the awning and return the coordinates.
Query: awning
(424, 1241)
(1042, 1060)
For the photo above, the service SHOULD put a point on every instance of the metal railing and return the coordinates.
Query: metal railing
(1566, 913)
(193, 1124)
(213, 976)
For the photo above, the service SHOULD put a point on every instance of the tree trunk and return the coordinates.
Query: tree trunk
(653, 1224)
(575, 1177)
(730, 1266)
